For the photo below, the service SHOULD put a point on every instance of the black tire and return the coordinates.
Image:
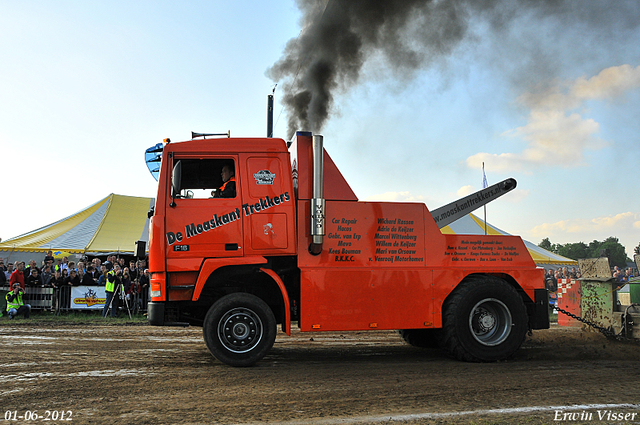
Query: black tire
(484, 320)
(239, 329)
(421, 338)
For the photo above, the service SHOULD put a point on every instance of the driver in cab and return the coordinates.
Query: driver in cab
(228, 188)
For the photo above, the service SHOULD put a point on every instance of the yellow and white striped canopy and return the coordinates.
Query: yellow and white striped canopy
(113, 224)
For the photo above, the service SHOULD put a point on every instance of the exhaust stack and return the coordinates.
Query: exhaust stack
(317, 202)
(270, 115)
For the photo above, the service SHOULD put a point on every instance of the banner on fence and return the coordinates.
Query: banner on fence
(85, 297)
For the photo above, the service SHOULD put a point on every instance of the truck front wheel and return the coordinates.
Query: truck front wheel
(239, 329)
(484, 320)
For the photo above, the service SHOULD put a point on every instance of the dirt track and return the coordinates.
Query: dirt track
(143, 374)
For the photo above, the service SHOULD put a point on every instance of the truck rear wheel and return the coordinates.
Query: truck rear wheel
(484, 320)
(239, 329)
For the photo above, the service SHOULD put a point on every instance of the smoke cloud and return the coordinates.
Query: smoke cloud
(339, 36)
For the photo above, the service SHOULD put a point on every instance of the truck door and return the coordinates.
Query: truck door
(202, 220)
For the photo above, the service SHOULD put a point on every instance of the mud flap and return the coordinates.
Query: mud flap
(539, 310)
(155, 313)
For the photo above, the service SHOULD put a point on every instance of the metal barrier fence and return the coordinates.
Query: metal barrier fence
(60, 299)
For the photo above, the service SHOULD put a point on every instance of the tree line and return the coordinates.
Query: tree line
(579, 250)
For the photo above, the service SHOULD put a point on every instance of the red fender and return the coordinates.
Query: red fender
(286, 326)
(212, 264)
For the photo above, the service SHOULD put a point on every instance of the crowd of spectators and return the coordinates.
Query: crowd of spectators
(62, 273)
(552, 276)
(622, 276)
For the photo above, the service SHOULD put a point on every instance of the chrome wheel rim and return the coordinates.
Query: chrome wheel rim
(240, 330)
(490, 322)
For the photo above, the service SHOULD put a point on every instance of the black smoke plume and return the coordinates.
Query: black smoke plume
(339, 36)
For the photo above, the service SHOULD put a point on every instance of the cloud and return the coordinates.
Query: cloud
(625, 226)
(465, 190)
(619, 222)
(609, 83)
(396, 197)
(516, 196)
(557, 135)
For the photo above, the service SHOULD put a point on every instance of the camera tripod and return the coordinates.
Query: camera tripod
(123, 298)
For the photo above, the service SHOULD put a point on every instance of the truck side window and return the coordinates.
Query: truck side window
(205, 178)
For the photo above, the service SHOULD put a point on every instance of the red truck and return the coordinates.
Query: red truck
(294, 244)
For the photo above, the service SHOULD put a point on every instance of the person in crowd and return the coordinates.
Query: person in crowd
(34, 278)
(32, 265)
(56, 280)
(573, 273)
(73, 279)
(8, 271)
(97, 270)
(3, 276)
(102, 277)
(564, 273)
(47, 275)
(58, 265)
(18, 275)
(618, 277)
(81, 267)
(558, 274)
(49, 257)
(85, 278)
(112, 281)
(144, 280)
(133, 295)
(628, 274)
(550, 281)
(95, 263)
(15, 303)
(48, 263)
(126, 280)
(65, 273)
(134, 288)
(133, 271)
(88, 279)
(72, 266)
(65, 264)
(617, 270)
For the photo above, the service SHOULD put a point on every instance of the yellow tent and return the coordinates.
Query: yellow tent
(113, 224)
(472, 225)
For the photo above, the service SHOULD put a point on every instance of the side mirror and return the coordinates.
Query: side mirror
(176, 180)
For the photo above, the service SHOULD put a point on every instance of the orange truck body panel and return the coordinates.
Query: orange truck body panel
(388, 264)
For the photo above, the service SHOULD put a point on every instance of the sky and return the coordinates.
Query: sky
(549, 97)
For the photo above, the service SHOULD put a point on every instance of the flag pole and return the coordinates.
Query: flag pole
(484, 186)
